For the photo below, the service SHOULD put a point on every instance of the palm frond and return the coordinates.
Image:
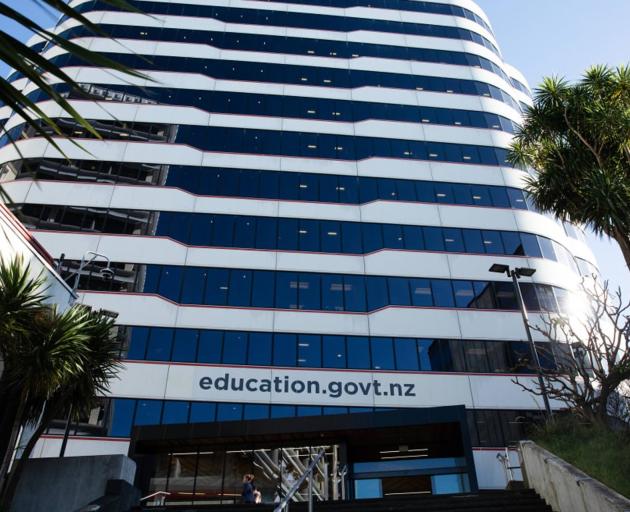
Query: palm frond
(36, 68)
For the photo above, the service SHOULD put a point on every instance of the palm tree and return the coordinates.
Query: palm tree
(54, 362)
(22, 298)
(577, 139)
(73, 359)
(30, 64)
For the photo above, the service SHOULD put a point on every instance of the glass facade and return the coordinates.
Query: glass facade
(283, 156)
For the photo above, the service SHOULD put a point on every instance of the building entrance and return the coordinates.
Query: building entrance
(413, 452)
(216, 477)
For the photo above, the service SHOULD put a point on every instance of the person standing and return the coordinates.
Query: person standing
(248, 489)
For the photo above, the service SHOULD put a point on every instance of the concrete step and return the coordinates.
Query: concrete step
(522, 500)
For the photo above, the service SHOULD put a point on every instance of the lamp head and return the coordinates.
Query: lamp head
(499, 268)
(525, 271)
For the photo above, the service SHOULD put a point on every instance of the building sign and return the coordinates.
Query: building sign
(242, 384)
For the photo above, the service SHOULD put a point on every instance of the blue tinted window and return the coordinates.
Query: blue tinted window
(138, 343)
(284, 350)
(255, 412)
(210, 344)
(354, 293)
(259, 348)
(334, 351)
(530, 245)
(473, 241)
(309, 351)
(175, 412)
(192, 285)
(148, 412)
(358, 352)
(282, 411)
(235, 348)
(159, 346)
(217, 287)
(122, 417)
(309, 410)
(309, 291)
(382, 354)
(433, 239)
(377, 296)
(332, 292)
(399, 291)
(202, 412)
(453, 241)
(229, 412)
(185, 345)
(492, 242)
(287, 290)
(170, 282)
(263, 289)
(442, 293)
(240, 288)
(464, 293)
(421, 292)
(406, 354)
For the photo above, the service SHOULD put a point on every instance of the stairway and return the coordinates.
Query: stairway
(525, 500)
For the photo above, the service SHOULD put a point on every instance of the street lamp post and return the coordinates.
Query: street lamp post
(107, 273)
(515, 274)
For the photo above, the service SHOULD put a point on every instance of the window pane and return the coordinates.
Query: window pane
(235, 348)
(229, 412)
(309, 292)
(382, 354)
(332, 292)
(406, 354)
(442, 293)
(122, 416)
(358, 352)
(263, 289)
(175, 412)
(159, 347)
(284, 349)
(399, 291)
(377, 295)
(240, 288)
(210, 343)
(309, 351)
(138, 342)
(464, 293)
(185, 345)
(287, 290)
(201, 412)
(148, 412)
(421, 292)
(334, 348)
(217, 287)
(354, 293)
(259, 348)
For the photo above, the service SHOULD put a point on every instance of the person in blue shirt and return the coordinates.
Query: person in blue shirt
(248, 489)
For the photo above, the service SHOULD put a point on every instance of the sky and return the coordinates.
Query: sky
(539, 37)
(564, 37)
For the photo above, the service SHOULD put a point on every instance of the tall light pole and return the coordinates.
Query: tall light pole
(108, 274)
(515, 274)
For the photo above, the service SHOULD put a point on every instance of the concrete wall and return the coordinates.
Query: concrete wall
(564, 487)
(65, 485)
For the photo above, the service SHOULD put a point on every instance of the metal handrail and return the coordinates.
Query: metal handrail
(162, 494)
(307, 473)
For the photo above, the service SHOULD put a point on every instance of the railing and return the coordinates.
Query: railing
(161, 497)
(284, 504)
(504, 459)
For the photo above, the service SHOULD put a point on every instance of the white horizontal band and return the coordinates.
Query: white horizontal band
(194, 81)
(421, 264)
(193, 116)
